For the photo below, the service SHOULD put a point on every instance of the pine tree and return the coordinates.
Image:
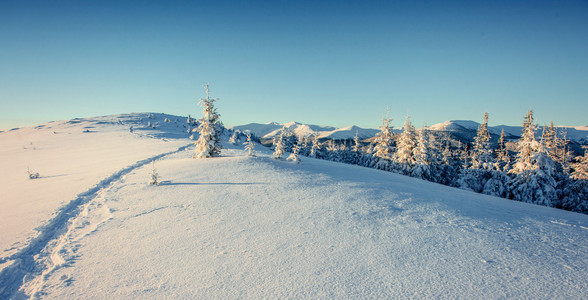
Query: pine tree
(560, 152)
(208, 144)
(294, 155)
(482, 153)
(356, 144)
(580, 166)
(405, 147)
(503, 162)
(526, 146)
(422, 156)
(536, 184)
(234, 138)
(154, 175)
(496, 184)
(249, 145)
(383, 149)
(314, 150)
(550, 140)
(32, 174)
(279, 146)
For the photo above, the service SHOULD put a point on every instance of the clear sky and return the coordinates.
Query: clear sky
(321, 62)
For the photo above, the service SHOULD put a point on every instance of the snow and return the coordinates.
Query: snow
(254, 227)
(69, 161)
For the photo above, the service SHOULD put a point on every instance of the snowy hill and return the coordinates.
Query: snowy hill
(254, 227)
(269, 130)
(71, 157)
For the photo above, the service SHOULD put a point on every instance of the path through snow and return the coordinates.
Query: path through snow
(33, 264)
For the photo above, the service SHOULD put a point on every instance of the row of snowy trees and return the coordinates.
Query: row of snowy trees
(539, 171)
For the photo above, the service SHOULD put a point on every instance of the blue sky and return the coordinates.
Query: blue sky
(321, 62)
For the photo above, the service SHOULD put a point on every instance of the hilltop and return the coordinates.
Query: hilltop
(254, 227)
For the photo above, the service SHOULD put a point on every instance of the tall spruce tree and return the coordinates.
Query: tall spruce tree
(208, 144)
(481, 151)
(526, 146)
(383, 149)
(503, 160)
(422, 156)
(405, 147)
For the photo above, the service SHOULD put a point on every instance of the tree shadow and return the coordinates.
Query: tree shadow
(52, 176)
(208, 183)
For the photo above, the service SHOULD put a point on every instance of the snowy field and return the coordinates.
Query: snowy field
(253, 227)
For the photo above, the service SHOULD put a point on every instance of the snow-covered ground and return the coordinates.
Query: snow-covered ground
(253, 227)
(71, 157)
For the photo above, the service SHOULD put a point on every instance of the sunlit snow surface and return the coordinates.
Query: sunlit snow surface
(244, 227)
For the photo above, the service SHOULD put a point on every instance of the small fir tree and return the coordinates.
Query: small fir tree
(294, 155)
(234, 138)
(154, 175)
(279, 146)
(249, 145)
(32, 174)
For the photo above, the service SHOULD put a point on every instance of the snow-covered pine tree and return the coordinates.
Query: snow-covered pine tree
(279, 144)
(481, 152)
(405, 147)
(249, 145)
(526, 146)
(549, 139)
(496, 183)
(580, 166)
(332, 151)
(208, 144)
(234, 137)
(383, 148)
(503, 160)
(449, 164)
(422, 156)
(356, 144)
(536, 184)
(294, 155)
(563, 154)
(316, 147)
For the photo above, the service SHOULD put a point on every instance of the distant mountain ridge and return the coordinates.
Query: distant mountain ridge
(576, 134)
(462, 129)
(271, 129)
